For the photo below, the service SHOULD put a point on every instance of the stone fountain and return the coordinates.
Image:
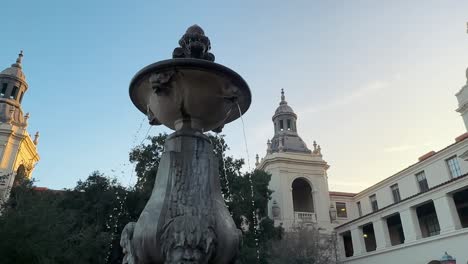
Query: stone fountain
(186, 220)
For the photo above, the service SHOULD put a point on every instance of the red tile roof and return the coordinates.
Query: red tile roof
(427, 155)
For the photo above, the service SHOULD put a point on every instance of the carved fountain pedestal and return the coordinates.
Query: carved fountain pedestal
(186, 219)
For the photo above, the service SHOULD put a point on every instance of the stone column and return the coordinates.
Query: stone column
(447, 214)
(382, 236)
(410, 223)
(358, 241)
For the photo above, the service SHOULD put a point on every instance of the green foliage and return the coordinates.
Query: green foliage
(69, 226)
(305, 245)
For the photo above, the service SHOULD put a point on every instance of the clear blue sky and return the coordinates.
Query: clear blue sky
(373, 83)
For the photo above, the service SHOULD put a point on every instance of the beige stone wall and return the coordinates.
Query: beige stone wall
(16, 149)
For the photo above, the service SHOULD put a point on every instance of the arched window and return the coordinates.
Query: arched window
(14, 92)
(302, 196)
(4, 89)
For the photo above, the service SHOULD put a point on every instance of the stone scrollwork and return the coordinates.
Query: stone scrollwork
(126, 243)
(185, 221)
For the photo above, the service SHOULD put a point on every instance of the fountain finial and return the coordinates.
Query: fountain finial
(194, 44)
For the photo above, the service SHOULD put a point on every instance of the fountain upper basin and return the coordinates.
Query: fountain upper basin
(183, 92)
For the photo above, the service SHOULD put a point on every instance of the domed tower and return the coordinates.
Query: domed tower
(286, 138)
(18, 153)
(298, 175)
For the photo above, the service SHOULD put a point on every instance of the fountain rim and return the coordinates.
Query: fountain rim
(194, 64)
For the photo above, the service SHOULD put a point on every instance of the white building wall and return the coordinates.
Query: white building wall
(434, 167)
(284, 169)
(351, 209)
(420, 252)
(450, 237)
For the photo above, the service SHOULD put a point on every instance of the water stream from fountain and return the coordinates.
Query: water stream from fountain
(254, 215)
(113, 222)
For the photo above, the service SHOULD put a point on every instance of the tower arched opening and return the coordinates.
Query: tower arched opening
(302, 196)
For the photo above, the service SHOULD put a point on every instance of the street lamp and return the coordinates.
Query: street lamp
(447, 259)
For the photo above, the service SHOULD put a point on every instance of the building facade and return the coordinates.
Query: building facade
(413, 216)
(18, 151)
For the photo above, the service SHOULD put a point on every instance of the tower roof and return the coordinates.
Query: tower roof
(16, 69)
(283, 107)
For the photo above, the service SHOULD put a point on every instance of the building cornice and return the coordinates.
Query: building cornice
(31, 147)
(294, 158)
(7, 76)
(462, 108)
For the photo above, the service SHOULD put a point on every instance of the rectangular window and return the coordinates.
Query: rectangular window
(374, 204)
(4, 88)
(453, 166)
(359, 208)
(281, 125)
(341, 210)
(395, 193)
(21, 97)
(348, 244)
(289, 124)
(14, 93)
(428, 222)
(422, 181)
(369, 237)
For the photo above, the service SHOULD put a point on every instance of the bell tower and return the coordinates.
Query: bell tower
(286, 138)
(298, 175)
(18, 151)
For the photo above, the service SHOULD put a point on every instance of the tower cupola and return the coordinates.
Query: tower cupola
(13, 85)
(286, 138)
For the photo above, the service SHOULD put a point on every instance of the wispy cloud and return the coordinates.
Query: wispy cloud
(406, 147)
(399, 148)
(358, 93)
